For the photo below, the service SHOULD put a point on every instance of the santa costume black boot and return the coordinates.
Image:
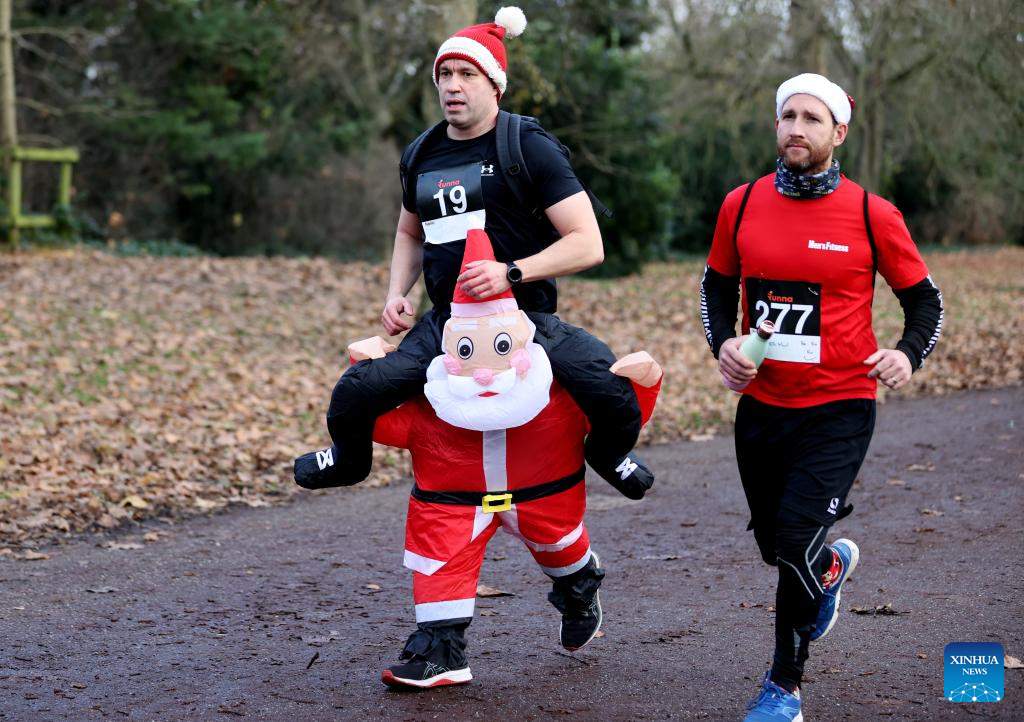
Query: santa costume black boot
(576, 596)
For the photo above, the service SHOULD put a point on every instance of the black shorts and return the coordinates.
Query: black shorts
(803, 460)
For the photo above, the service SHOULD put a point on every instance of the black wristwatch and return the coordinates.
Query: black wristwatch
(514, 274)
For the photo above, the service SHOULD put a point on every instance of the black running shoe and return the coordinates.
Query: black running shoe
(421, 674)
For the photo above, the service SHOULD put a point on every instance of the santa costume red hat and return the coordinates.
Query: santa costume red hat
(478, 248)
(483, 45)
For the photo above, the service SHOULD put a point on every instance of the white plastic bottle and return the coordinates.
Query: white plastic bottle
(755, 346)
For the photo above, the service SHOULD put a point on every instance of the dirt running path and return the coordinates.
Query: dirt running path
(222, 618)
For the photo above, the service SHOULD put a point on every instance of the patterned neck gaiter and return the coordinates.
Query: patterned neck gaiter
(794, 185)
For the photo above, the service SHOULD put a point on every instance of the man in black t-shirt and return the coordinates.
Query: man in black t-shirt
(457, 185)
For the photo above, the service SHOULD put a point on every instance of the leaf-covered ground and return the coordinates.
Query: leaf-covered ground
(153, 386)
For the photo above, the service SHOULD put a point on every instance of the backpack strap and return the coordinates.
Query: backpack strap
(412, 151)
(871, 236)
(510, 154)
(739, 219)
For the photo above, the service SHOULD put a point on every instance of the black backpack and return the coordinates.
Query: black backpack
(510, 157)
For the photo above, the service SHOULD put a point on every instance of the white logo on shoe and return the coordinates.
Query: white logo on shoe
(626, 468)
(325, 458)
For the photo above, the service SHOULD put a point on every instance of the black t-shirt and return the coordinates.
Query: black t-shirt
(457, 185)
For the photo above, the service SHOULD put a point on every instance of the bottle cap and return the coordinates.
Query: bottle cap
(766, 329)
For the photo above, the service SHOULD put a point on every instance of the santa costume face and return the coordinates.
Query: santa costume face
(491, 376)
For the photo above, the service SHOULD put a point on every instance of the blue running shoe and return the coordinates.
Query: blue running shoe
(775, 704)
(845, 555)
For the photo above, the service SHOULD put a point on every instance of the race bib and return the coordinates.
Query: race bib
(450, 202)
(795, 309)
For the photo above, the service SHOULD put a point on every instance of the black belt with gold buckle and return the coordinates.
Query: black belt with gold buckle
(500, 501)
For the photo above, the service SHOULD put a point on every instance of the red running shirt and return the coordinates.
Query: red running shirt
(806, 265)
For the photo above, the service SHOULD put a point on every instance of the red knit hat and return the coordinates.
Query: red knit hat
(478, 248)
(482, 45)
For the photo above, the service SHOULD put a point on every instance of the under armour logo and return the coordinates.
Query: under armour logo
(833, 505)
(626, 468)
(325, 458)
(487, 169)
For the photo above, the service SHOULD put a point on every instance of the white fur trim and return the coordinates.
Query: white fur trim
(484, 308)
(821, 88)
(420, 563)
(569, 569)
(460, 47)
(450, 609)
(505, 411)
(512, 19)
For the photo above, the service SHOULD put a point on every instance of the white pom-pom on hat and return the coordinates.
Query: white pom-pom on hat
(512, 19)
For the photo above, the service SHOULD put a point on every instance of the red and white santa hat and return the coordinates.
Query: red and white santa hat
(834, 97)
(478, 248)
(482, 45)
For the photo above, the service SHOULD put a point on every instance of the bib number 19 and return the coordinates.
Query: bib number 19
(457, 197)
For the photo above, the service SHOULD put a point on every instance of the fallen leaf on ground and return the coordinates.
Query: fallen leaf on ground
(687, 523)
(31, 556)
(151, 536)
(921, 467)
(317, 640)
(135, 501)
(1012, 662)
(896, 482)
(886, 610)
(661, 557)
(372, 587)
(932, 512)
(206, 504)
(102, 590)
(121, 546)
(482, 590)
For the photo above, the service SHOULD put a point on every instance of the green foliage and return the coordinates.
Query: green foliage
(274, 126)
(591, 88)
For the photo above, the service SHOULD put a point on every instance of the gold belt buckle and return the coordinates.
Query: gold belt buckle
(493, 503)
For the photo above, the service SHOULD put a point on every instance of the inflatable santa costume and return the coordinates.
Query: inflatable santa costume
(494, 443)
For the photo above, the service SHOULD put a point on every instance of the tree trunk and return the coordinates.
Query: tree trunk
(8, 120)
(806, 29)
(8, 117)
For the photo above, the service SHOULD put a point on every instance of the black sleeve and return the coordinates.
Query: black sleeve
(923, 313)
(719, 302)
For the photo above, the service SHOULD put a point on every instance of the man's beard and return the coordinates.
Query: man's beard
(817, 160)
(515, 407)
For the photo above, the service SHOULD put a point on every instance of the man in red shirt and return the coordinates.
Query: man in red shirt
(800, 247)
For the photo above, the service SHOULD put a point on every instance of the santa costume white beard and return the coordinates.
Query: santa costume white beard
(520, 404)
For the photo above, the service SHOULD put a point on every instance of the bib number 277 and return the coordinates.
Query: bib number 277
(764, 309)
